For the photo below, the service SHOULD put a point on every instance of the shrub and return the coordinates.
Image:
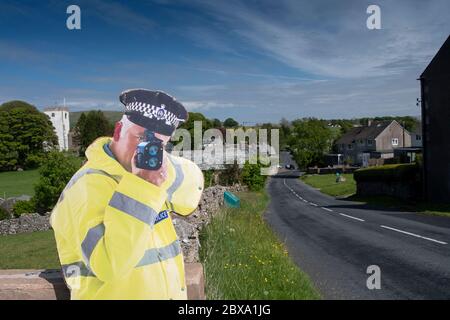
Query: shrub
(252, 177)
(21, 207)
(208, 176)
(56, 172)
(419, 160)
(4, 214)
(33, 161)
(389, 173)
(230, 175)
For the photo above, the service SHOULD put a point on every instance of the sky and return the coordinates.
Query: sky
(255, 61)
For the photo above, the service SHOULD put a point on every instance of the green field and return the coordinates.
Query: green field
(243, 259)
(327, 184)
(36, 250)
(16, 183)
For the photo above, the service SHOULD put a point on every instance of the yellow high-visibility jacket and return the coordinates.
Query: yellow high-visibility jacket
(114, 233)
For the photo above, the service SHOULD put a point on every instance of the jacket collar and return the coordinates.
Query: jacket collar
(99, 159)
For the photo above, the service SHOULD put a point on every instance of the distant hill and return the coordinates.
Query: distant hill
(112, 116)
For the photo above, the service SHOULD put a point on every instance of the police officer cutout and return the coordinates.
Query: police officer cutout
(112, 223)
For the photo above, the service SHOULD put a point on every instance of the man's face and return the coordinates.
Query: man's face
(133, 136)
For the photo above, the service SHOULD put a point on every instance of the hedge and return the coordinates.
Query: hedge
(389, 173)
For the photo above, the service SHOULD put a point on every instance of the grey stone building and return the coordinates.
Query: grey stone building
(377, 140)
(435, 91)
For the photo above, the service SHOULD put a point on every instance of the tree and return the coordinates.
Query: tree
(285, 132)
(189, 125)
(55, 173)
(216, 123)
(309, 141)
(90, 127)
(410, 123)
(78, 129)
(230, 123)
(196, 116)
(25, 134)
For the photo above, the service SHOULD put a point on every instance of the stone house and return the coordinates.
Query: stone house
(377, 140)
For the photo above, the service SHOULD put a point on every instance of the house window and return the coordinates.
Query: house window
(349, 146)
(395, 142)
(53, 114)
(418, 137)
(369, 142)
(65, 115)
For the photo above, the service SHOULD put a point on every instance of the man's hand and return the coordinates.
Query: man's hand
(156, 177)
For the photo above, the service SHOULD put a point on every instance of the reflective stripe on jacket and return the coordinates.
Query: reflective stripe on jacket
(114, 233)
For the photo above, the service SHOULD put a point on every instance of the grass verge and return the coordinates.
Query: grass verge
(35, 250)
(17, 183)
(243, 259)
(327, 184)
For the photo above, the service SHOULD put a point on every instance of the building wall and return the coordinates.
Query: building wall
(355, 154)
(393, 131)
(436, 135)
(416, 140)
(382, 143)
(60, 121)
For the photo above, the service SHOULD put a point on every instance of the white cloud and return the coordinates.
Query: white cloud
(331, 39)
(205, 105)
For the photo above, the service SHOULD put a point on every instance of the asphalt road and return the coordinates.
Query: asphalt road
(335, 241)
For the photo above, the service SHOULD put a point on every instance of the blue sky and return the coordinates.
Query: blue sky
(256, 61)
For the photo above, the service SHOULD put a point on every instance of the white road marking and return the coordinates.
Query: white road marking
(414, 235)
(351, 217)
(362, 220)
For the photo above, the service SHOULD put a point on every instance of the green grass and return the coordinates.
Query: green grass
(16, 183)
(243, 259)
(327, 184)
(36, 250)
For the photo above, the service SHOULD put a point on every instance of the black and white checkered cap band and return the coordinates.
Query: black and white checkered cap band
(154, 112)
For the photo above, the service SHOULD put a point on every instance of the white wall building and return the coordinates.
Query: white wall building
(59, 116)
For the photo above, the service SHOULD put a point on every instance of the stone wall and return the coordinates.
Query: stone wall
(26, 223)
(187, 227)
